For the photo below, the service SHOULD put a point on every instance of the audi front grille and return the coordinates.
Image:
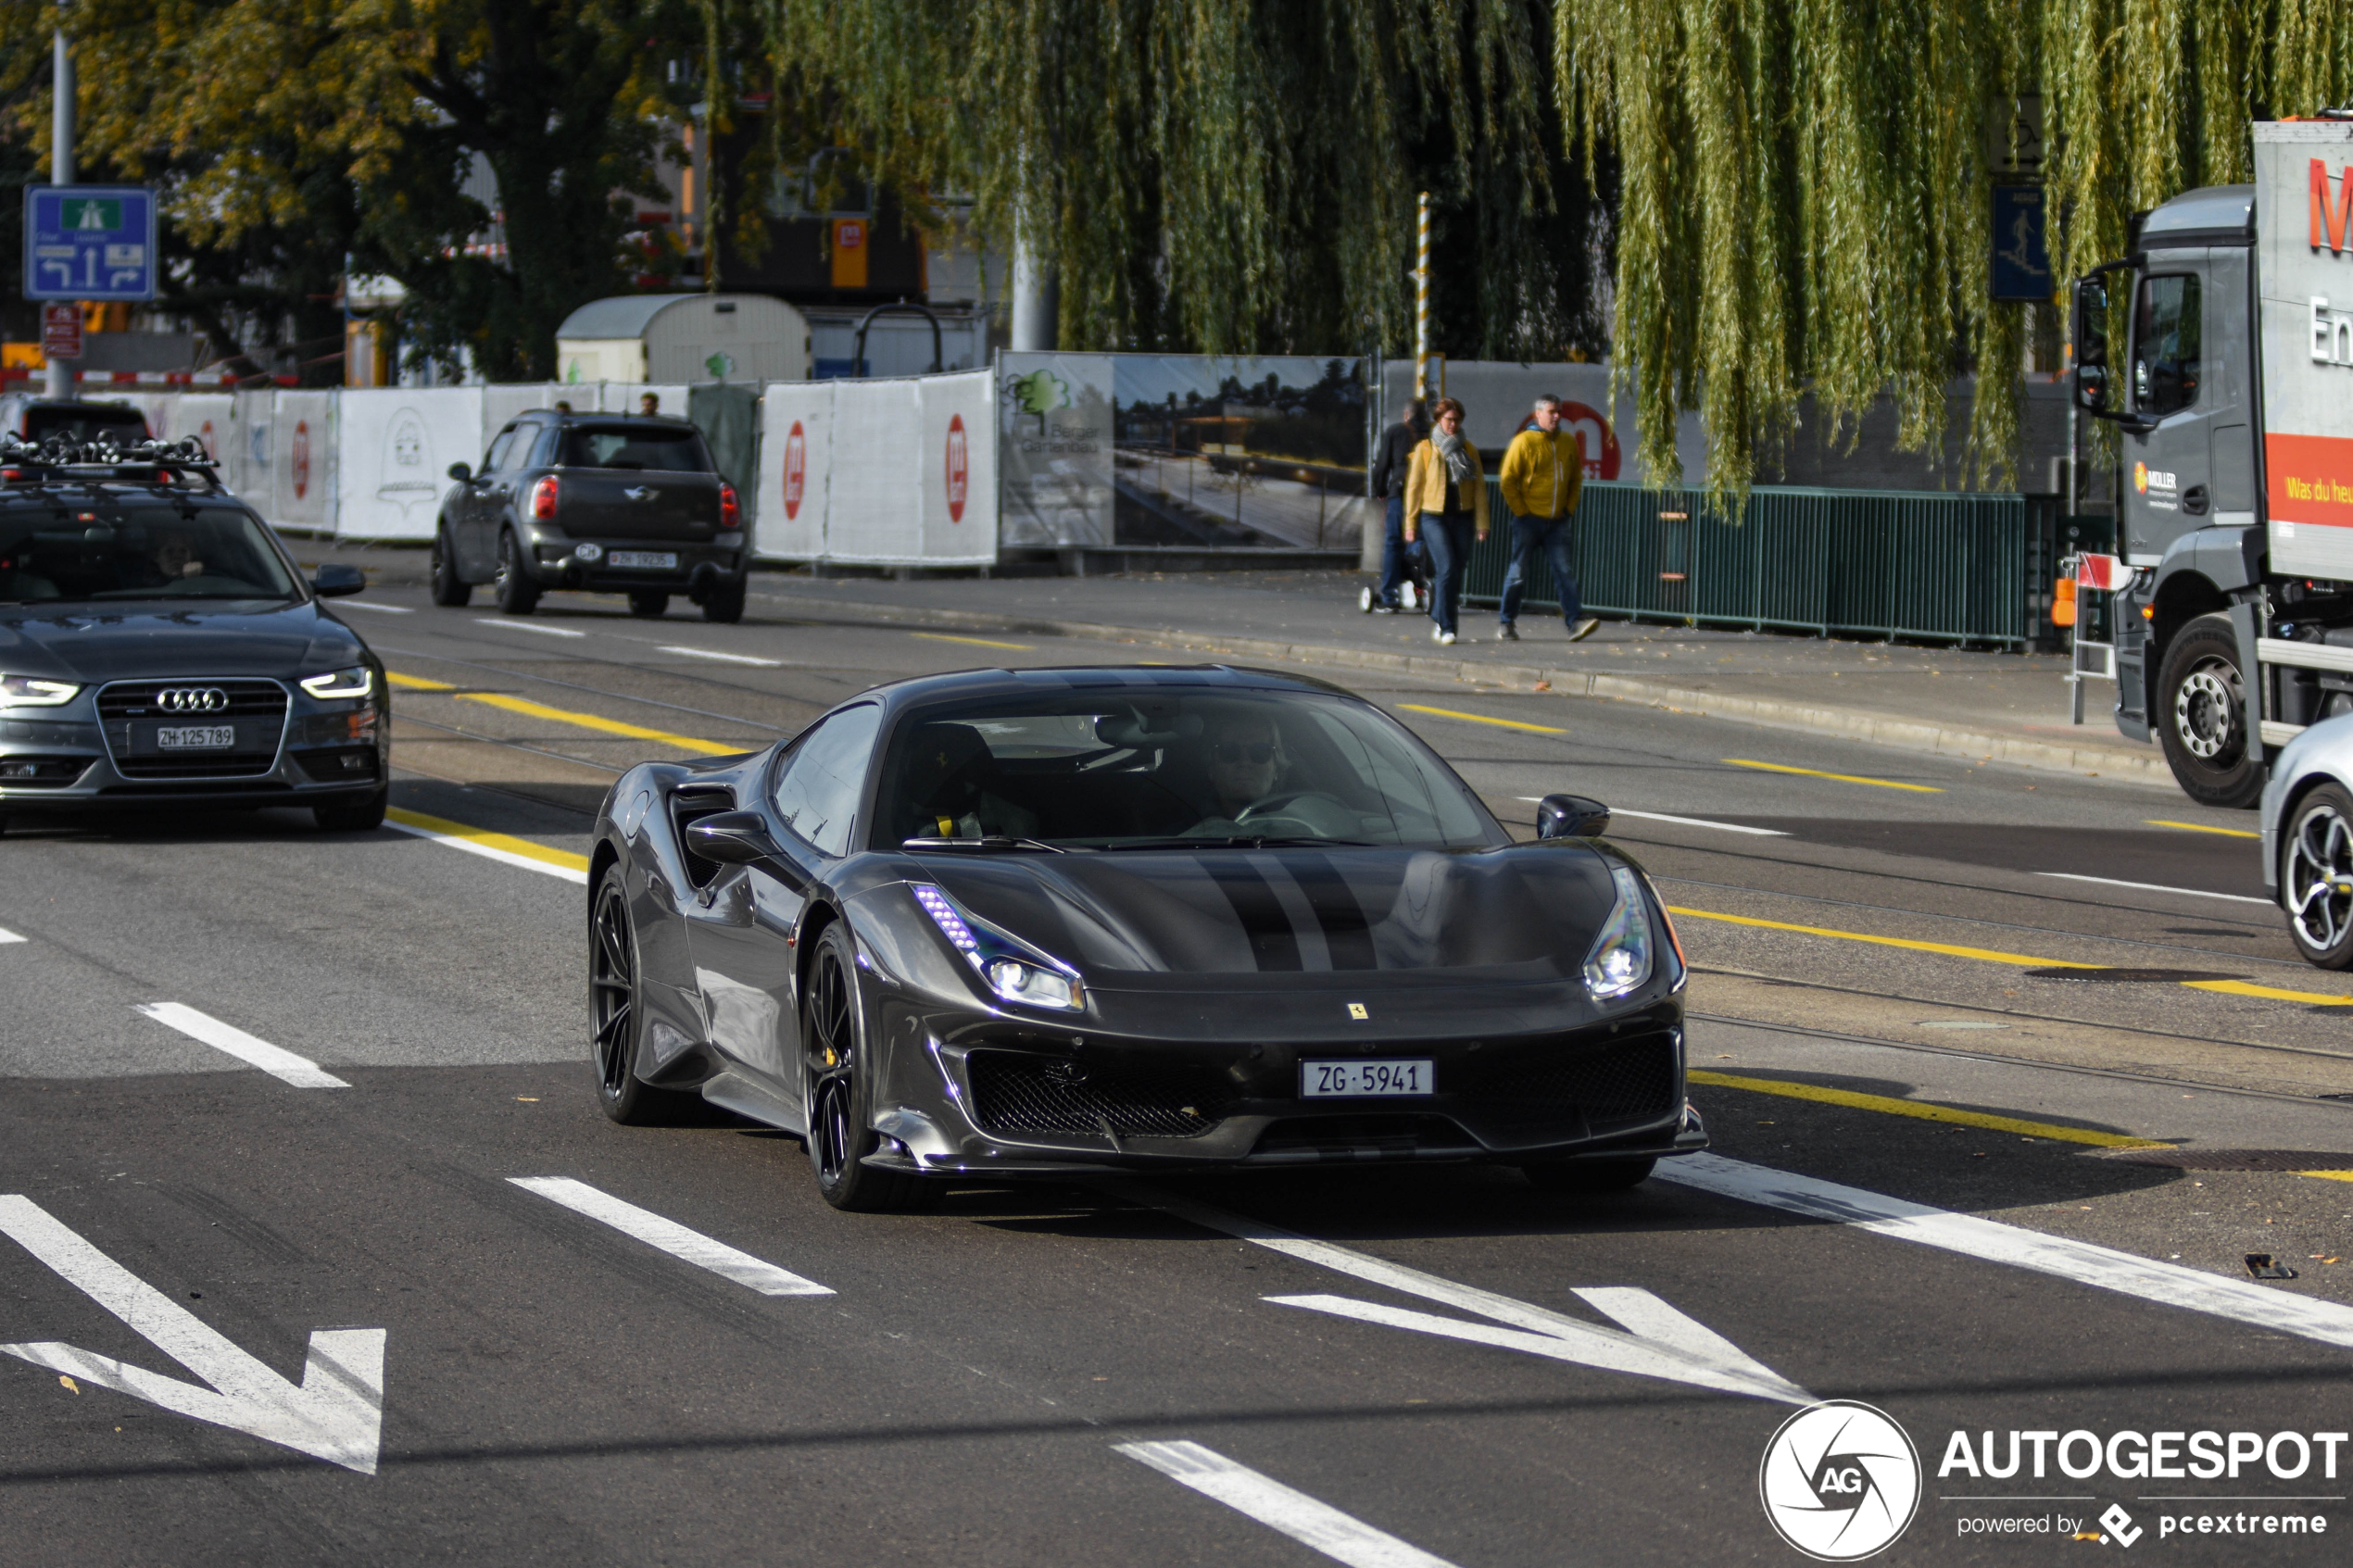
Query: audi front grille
(130, 712)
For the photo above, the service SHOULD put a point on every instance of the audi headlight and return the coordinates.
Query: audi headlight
(1011, 968)
(358, 681)
(33, 691)
(1623, 954)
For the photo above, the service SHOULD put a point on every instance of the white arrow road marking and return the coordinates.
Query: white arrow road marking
(9, 937)
(1305, 1520)
(279, 1062)
(336, 1414)
(671, 1236)
(2082, 1262)
(1658, 1341)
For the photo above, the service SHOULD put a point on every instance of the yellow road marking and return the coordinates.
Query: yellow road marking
(2247, 988)
(591, 721)
(2329, 1175)
(1842, 778)
(488, 840)
(1994, 954)
(2200, 827)
(977, 642)
(417, 683)
(1481, 719)
(1984, 955)
(1923, 1109)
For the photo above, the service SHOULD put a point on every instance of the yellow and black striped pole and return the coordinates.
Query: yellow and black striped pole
(1421, 307)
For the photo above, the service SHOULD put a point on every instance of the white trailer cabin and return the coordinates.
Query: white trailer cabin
(684, 338)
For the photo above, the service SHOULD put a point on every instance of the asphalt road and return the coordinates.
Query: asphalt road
(262, 1081)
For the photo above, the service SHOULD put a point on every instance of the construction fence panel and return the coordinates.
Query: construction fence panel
(874, 493)
(629, 397)
(502, 402)
(394, 446)
(302, 457)
(1939, 567)
(957, 466)
(795, 461)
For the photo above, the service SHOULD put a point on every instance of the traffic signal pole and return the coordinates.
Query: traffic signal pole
(61, 165)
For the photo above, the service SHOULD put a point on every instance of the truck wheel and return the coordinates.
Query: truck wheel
(2316, 877)
(2201, 716)
(449, 590)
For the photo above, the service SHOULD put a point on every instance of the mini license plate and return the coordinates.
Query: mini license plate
(195, 737)
(643, 560)
(1355, 1080)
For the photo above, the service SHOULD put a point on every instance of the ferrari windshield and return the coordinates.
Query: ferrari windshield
(137, 550)
(1173, 767)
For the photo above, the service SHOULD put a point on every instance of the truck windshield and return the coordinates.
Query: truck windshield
(2166, 342)
(625, 446)
(137, 551)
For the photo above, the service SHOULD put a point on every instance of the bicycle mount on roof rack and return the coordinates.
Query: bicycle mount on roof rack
(59, 452)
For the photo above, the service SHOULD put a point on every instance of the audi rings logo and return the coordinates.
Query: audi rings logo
(191, 699)
(1840, 1481)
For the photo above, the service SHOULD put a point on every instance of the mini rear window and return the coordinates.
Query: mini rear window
(622, 446)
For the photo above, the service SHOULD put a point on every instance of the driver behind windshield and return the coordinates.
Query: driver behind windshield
(1250, 778)
(174, 557)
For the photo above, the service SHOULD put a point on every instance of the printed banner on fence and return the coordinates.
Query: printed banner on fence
(796, 458)
(302, 459)
(393, 449)
(874, 508)
(956, 463)
(1265, 451)
(1054, 435)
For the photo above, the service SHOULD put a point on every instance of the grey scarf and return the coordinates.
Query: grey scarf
(1459, 465)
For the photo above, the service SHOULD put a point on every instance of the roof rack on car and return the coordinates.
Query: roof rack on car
(59, 455)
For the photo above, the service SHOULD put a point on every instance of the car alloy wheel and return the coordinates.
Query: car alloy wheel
(448, 589)
(612, 987)
(2316, 877)
(832, 1072)
(512, 586)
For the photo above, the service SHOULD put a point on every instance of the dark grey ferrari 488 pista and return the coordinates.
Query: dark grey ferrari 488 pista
(1051, 922)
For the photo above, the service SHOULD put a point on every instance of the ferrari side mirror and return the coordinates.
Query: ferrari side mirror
(730, 838)
(1570, 816)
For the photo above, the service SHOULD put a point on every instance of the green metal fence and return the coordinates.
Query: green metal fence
(1935, 567)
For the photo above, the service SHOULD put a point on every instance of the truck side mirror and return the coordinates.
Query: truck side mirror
(2091, 346)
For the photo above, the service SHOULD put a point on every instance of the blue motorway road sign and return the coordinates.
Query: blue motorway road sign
(89, 242)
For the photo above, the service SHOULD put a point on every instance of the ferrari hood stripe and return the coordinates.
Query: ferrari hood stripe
(1347, 934)
(1273, 941)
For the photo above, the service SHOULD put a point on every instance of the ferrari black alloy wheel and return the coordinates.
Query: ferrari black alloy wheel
(1590, 1176)
(834, 1067)
(2316, 877)
(613, 1009)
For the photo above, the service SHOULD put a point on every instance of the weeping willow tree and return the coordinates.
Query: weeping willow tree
(1806, 186)
(1230, 175)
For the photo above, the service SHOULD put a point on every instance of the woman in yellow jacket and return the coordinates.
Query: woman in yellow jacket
(1446, 504)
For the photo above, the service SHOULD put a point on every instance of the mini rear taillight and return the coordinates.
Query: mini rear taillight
(730, 511)
(543, 498)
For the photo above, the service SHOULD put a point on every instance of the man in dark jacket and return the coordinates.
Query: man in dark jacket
(1398, 558)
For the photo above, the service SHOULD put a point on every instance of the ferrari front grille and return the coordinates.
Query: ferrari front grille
(1015, 1093)
(1624, 1080)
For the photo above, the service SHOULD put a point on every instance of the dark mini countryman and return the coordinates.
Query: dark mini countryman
(608, 503)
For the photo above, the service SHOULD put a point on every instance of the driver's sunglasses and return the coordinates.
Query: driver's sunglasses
(1244, 751)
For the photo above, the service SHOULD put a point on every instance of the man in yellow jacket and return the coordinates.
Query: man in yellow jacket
(1544, 475)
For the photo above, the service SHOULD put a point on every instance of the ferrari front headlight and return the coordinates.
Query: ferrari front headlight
(34, 691)
(1011, 968)
(358, 681)
(1623, 954)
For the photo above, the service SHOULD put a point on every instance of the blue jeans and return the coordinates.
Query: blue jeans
(1396, 554)
(1450, 549)
(1553, 538)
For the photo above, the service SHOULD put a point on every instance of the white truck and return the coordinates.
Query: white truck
(2233, 399)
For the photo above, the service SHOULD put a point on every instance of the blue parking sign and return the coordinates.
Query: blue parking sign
(89, 242)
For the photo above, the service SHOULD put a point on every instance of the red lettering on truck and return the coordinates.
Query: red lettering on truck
(2332, 220)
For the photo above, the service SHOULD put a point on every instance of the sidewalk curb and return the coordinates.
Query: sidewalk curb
(1902, 735)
